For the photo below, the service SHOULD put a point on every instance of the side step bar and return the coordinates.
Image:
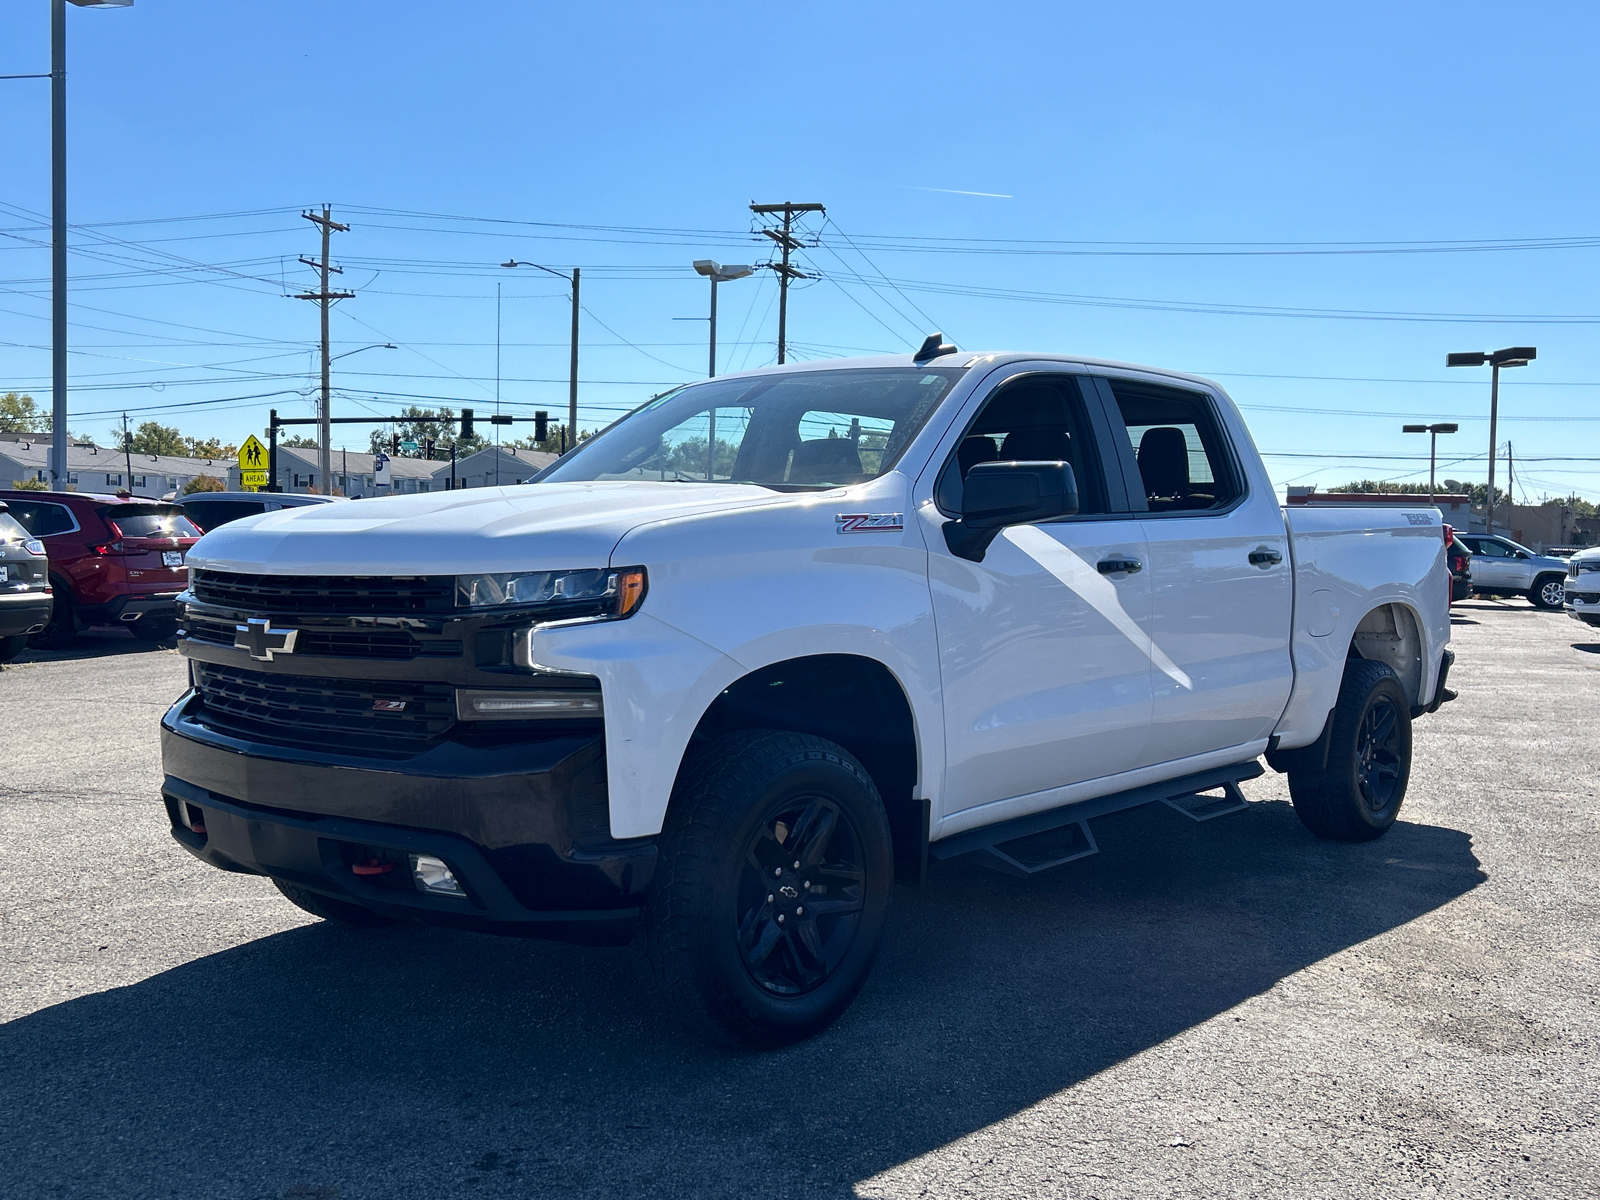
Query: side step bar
(1027, 845)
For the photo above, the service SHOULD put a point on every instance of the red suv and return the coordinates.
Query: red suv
(113, 560)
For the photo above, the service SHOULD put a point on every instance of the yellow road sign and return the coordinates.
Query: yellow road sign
(252, 464)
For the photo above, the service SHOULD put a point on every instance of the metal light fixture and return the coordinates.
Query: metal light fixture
(1511, 356)
(1433, 446)
(570, 438)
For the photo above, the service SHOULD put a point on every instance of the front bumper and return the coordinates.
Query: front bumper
(1583, 606)
(24, 612)
(522, 827)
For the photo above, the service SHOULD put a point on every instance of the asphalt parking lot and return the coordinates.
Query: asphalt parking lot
(1229, 1009)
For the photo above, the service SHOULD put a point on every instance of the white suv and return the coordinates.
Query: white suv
(1500, 567)
(1583, 586)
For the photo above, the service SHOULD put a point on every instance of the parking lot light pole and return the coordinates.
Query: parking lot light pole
(1511, 356)
(1433, 446)
(718, 273)
(58, 233)
(571, 438)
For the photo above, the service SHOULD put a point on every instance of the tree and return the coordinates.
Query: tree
(204, 483)
(299, 442)
(1478, 492)
(552, 443)
(212, 448)
(442, 433)
(20, 414)
(151, 437)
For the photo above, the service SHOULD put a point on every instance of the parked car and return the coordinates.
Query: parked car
(1583, 586)
(1500, 567)
(211, 509)
(925, 605)
(24, 586)
(1460, 559)
(113, 560)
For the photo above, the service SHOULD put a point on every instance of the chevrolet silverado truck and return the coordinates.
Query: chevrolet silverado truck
(722, 675)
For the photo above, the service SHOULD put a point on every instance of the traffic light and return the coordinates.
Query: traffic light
(541, 426)
(427, 449)
(394, 445)
(466, 424)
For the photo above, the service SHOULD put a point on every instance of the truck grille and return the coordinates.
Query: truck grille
(335, 713)
(291, 594)
(394, 644)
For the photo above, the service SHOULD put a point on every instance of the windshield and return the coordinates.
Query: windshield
(150, 521)
(795, 431)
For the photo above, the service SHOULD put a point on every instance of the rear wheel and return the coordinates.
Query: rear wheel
(1548, 592)
(62, 630)
(330, 909)
(1358, 795)
(10, 647)
(776, 869)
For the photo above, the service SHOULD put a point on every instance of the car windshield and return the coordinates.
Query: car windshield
(794, 431)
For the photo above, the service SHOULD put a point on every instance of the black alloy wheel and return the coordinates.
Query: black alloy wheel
(1380, 765)
(771, 887)
(1355, 793)
(801, 896)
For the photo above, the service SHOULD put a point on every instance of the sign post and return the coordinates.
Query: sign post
(380, 470)
(252, 465)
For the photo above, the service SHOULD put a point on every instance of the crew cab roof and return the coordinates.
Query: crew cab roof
(967, 358)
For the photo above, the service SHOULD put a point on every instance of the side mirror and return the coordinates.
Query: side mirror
(998, 494)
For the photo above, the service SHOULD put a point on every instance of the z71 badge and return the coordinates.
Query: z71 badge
(869, 522)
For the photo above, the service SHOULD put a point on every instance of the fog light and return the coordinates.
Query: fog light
(524, 705)
(433, 875)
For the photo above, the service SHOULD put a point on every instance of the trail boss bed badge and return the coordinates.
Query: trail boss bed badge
(869, 522)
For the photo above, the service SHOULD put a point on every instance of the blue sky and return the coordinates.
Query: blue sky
(1136, 157)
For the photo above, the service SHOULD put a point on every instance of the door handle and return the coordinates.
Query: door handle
(1117, 566)
(1265, 556)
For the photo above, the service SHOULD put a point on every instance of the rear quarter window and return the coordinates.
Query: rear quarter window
(41, 518)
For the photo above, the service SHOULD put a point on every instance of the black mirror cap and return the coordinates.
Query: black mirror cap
(997, 494)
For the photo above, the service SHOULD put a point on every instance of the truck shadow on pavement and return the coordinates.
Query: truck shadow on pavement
(325, 1062)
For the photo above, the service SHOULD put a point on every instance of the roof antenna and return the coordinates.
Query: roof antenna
(933, 347)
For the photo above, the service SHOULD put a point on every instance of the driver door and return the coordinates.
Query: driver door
(1043, 647)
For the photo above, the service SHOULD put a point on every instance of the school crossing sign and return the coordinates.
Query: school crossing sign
(252, 465)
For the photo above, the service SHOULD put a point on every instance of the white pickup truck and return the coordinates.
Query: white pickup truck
(726, 672)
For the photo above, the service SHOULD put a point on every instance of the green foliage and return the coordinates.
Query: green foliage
(299, 442)
(21, 414)
(443, 434)
(1479, 492)
(551, 444)
(204, 483)
(212, 448)
(151, 437)
(30, 485)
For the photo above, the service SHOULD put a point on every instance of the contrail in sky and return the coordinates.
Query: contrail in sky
(959, 192)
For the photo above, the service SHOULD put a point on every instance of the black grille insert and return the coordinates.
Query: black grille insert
(337, 713)
(395, 644)
(396, 595)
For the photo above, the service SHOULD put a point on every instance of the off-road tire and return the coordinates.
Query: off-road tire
(1358, 796)
(62, 630)
(12, 646)
(1548, 592)
(330, 909)
(154, 628)
(704, 929)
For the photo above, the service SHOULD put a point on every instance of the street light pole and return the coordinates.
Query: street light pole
(1433, 447)
(718, 273)
(1511, 356)
(571, 439)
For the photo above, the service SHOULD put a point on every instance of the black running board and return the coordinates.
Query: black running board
(1028, 845)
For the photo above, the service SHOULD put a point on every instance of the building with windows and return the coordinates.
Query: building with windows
(25, 459)
(493, 466)
(352, 474)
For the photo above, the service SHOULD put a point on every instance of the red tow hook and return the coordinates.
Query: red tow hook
(372, 866)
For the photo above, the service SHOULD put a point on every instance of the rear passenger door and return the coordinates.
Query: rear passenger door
(1043, 655)
(1218, 568)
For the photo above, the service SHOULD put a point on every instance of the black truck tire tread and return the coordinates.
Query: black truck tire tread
(1324, 799)
(711, 796)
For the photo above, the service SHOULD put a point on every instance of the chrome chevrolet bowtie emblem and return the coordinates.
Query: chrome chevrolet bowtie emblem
(263, 641)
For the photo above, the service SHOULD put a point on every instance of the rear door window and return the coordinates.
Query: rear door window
(42, 518)
(150, 521)
(208, 514)
(1181, 453)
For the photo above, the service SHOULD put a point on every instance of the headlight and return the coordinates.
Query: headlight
(601, 591)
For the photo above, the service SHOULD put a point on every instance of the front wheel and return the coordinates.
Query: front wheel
(156, 627)
(769, 903)
(1358, 795)
(1548, 592)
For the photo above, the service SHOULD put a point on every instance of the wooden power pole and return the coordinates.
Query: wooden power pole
(325, 298)
(786, 242)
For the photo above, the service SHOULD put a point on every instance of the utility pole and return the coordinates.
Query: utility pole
(1511, 482)
(325, 298)
(572, 369)
(787, 242)
(127, 449)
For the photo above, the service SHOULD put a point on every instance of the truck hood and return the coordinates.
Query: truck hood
(547, 526)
